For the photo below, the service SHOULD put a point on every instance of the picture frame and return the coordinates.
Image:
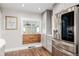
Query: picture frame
(11, 23)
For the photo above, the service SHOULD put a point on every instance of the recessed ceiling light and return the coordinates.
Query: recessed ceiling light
(22, 5)
(39, 8)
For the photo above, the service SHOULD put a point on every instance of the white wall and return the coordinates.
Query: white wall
(14, 37)
(0, 23)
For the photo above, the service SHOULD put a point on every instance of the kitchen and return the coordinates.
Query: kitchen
(41, 29)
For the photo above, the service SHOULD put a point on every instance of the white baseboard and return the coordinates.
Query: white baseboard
(24, 47)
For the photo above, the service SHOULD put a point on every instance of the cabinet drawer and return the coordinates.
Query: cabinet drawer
(56, 52)
(31, 38)
(66, 46)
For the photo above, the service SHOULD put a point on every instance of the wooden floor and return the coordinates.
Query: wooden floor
(29, 52)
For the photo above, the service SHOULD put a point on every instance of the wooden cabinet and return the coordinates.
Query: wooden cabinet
(61, 48)
(31, 38)
(56, 52)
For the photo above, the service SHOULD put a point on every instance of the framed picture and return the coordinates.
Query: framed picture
(11, 23)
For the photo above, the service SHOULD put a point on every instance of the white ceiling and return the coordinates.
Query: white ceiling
(28, 7)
